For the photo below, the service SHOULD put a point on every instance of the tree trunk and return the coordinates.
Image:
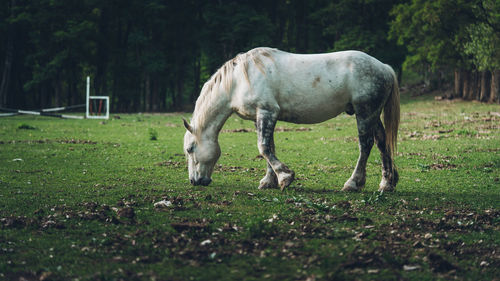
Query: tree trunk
(466, 82)
(4, 87)
(43, 95)
(472, 88)
(301, 27)
(281, 23)
(120, 92)
(163, 97)
(72, 90)
(57, 86)
(399, 73)
(273, 15)
(9, 58)
(485, 85)
(147, 93)
(495, 86)
(427, 79)
(155, 95)
(477, 86)
(458, 83)
(179, 89)
(102, 54)
(197, 78)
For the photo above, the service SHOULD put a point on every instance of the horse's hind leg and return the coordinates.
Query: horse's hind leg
(266, 120)
(358, 178)
(389, 172)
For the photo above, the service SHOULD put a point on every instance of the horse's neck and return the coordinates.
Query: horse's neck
(211, 117)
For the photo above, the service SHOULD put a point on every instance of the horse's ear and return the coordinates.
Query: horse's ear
(188, 127)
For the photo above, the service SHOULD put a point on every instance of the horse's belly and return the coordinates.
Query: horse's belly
(310, 111)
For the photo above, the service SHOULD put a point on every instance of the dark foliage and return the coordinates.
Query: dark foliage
(155, 55)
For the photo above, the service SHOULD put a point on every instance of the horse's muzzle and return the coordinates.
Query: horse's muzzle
(201, 181)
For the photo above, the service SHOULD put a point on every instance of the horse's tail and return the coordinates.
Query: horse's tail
(392, 116)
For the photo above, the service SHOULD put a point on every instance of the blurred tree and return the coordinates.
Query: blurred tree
(233, 27)
(451, 34)
(7, 28)
(52, 47)
(482, 47)
(14, 23)
(360, 25)
(432, 31)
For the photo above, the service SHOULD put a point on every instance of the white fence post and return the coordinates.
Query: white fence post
(87, 102)
(87, 99)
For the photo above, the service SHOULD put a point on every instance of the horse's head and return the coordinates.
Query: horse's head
(201, 155)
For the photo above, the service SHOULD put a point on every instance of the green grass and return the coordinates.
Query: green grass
(77, 201)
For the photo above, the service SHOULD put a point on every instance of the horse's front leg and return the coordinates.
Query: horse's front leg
(265, 123)
(270, 180)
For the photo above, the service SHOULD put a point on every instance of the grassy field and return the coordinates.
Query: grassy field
(77, 201)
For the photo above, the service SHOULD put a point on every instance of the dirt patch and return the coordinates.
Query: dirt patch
(28, 276)
(183, 226)
(16, 222)
(443, 166)
(284, 129)
(170, 163)
(344, 139)
(439, 264)
(59, 141)
(77, 141)
(232, 169)
(26, 141)
(278, 129)
(241, 130)
(422, 136)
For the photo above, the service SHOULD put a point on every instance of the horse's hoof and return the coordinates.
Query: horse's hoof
(351, 185)
(286, 179)
(386, 186)
(268, 185)
(269, 181)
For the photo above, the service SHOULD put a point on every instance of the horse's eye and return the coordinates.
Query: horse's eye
(190, 149)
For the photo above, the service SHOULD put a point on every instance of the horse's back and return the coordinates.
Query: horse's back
(336, 69)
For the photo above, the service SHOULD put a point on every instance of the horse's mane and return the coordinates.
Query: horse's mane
(223, 76)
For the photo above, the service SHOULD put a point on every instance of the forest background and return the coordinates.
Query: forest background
(155, 55)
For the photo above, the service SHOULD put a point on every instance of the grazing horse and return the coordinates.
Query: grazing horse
(266, 85)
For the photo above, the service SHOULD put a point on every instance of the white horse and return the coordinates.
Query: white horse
(266, 85)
